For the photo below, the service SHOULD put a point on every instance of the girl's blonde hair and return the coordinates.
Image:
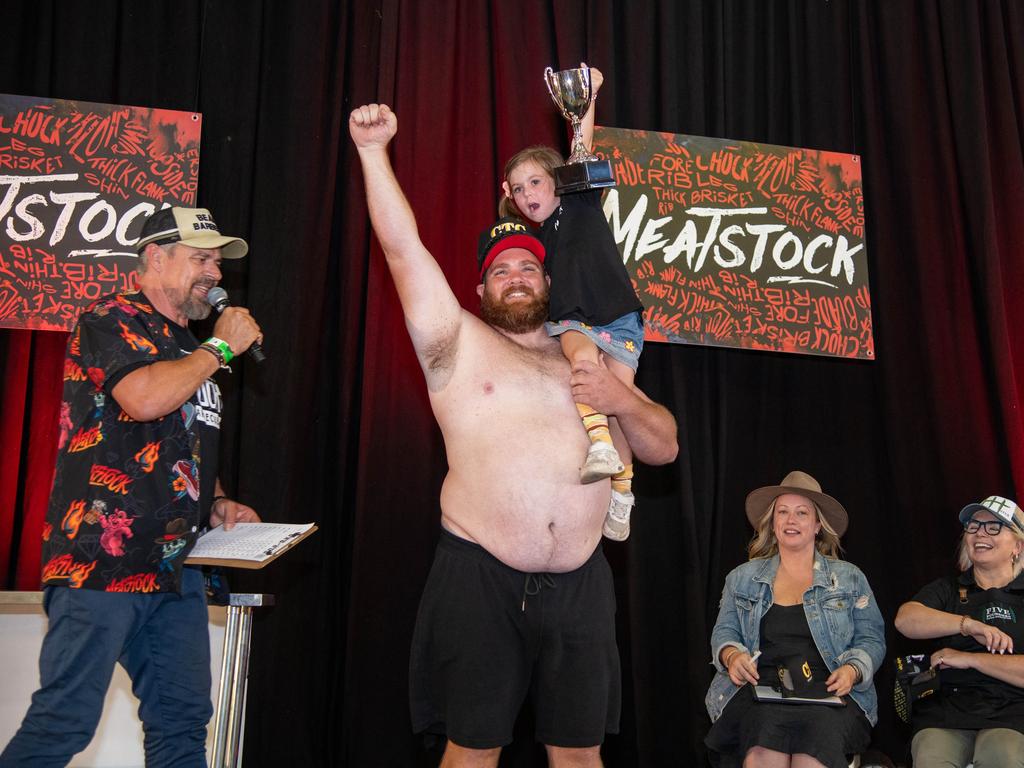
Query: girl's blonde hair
(544, 156)
(764, 543)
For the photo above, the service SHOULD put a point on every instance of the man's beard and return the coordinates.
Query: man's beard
(194, 309)
(519, 317)
(190, 306)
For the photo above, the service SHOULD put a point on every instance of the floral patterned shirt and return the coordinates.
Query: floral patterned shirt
(125, 506)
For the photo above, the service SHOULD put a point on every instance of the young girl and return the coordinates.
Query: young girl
(594, 308)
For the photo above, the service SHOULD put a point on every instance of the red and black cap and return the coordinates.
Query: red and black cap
(505, 233)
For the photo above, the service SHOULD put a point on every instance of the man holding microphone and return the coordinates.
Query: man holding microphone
(135, 483)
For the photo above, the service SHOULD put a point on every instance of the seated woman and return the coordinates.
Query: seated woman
(977, 715)
(794, 600)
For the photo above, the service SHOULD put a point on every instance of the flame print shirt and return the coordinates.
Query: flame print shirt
(125, 508)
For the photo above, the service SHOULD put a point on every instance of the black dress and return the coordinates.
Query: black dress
(828, 734)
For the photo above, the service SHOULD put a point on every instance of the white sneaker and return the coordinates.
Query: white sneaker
(616, 522)
(602, 461)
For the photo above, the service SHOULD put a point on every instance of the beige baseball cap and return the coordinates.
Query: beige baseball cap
(194, 227)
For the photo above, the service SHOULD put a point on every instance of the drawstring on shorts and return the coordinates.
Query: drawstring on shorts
(534, 583)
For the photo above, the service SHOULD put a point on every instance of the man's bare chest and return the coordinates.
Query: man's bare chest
(511, 377)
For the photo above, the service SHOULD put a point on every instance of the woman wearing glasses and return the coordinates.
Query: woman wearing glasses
(977, 621)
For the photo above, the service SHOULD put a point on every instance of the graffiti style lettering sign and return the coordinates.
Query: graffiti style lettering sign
(740, 244)
(76, 178)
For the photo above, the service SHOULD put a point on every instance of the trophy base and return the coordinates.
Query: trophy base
(580, 177)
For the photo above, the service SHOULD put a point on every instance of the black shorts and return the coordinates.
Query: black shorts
(477, 651)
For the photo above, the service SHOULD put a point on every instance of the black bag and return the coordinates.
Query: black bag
(796, 679)
(915, 680)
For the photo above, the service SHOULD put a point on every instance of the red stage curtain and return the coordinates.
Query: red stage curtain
(30, 393)
(336, 427)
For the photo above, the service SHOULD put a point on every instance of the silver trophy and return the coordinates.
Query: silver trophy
(570, 90)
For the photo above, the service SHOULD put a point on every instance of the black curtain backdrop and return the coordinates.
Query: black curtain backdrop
(336, 427)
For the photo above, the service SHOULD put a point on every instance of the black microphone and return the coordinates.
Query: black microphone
(218, 299)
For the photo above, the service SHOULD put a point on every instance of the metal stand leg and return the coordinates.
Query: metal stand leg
(234, 678)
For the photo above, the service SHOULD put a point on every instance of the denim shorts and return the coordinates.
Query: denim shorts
(622, 339)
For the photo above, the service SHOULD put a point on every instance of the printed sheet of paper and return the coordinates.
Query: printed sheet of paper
(247, 545)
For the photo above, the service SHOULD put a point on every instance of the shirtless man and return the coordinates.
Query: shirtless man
(520, 598)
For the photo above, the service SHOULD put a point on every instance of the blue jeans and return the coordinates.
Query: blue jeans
(162, 642)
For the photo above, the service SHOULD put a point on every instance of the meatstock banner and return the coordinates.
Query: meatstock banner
(740, 244)
(76, 178)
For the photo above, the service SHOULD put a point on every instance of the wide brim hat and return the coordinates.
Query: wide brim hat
(1003, 508)
(193, 227)
(505, 233)
(801, 484)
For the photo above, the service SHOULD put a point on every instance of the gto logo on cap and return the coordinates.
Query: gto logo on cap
(507, 227)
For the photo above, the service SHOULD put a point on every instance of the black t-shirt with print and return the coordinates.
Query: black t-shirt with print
(589, 282)
(125, 506)
(206, 407)
(969, 699)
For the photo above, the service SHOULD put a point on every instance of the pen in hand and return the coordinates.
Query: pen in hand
(753, 661)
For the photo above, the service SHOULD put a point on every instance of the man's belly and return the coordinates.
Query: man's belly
(528, 523)
(515, 444)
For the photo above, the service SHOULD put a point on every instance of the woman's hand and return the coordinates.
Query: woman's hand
(842, 680)
(995, 640)
(947, 658)
(742, 668)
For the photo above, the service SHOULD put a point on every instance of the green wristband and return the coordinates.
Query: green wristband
(223, 346)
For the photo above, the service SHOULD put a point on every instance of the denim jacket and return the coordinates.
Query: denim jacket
(841, 611)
